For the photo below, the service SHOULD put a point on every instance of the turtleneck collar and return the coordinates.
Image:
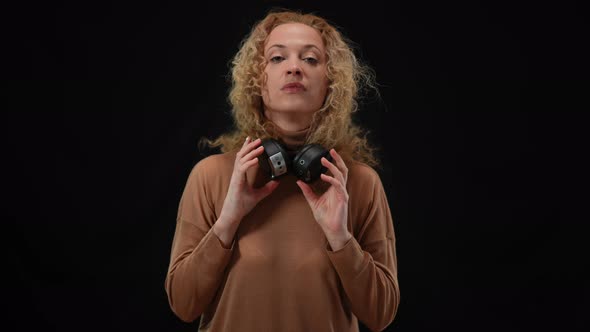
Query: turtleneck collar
(292, 139)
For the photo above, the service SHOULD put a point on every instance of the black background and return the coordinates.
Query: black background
(479, 123)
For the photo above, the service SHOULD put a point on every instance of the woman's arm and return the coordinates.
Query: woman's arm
(367, 264)
(198, 257)
(367, 267)
(200, 250)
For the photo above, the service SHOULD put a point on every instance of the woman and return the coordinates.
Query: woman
(252, 253)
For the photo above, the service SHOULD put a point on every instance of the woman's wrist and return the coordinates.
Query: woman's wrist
(338, 241)
(225, 230)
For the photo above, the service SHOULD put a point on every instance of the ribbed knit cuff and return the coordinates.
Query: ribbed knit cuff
(217, 256)
(349, 260)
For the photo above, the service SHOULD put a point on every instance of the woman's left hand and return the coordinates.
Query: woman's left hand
(330, 209)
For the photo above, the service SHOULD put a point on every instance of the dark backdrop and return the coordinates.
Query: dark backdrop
(479, 126)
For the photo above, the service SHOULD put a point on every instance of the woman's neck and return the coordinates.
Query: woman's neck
(289, 121)
(291, 128)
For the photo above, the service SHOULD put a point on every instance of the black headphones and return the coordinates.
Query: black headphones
(306, 165)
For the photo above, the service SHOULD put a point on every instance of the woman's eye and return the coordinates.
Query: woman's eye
(312, 61)
(276, 59)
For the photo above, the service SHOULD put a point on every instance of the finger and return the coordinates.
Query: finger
(254, 153)
(308, 193)
(337, 184)
(239, 154)
(239, 175)
(340, 163)
(243, 167)
(248, 146)
(333, 169)
(251, 146)
(254, 143)
(266, 190)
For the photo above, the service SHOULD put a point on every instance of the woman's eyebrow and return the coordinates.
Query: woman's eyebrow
(305, 47)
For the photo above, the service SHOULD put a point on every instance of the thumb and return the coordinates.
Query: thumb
(267, 189)
(310, 196)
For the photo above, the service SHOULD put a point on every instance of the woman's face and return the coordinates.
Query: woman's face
(295, 55)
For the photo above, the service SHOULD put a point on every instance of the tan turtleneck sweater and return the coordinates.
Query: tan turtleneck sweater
(280, 273)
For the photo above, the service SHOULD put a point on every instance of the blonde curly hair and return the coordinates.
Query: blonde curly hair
(332, 124)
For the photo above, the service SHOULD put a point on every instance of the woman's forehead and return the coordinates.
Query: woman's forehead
(294, 35)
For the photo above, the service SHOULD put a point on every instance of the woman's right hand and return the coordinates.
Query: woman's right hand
(241, 197)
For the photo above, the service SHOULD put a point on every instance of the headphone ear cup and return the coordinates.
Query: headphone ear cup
(307, 164)
(274, 160)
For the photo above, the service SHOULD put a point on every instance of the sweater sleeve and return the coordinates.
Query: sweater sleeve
(198, 259)
(367, 264)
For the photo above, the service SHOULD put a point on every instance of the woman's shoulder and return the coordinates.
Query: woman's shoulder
(365, 190)
(362, 173)
(363, 180)
(214, 165)
(214, 161)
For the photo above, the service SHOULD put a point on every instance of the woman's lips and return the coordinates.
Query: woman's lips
(293, 87)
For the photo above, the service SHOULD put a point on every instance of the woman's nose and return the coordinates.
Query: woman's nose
(294, 69)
